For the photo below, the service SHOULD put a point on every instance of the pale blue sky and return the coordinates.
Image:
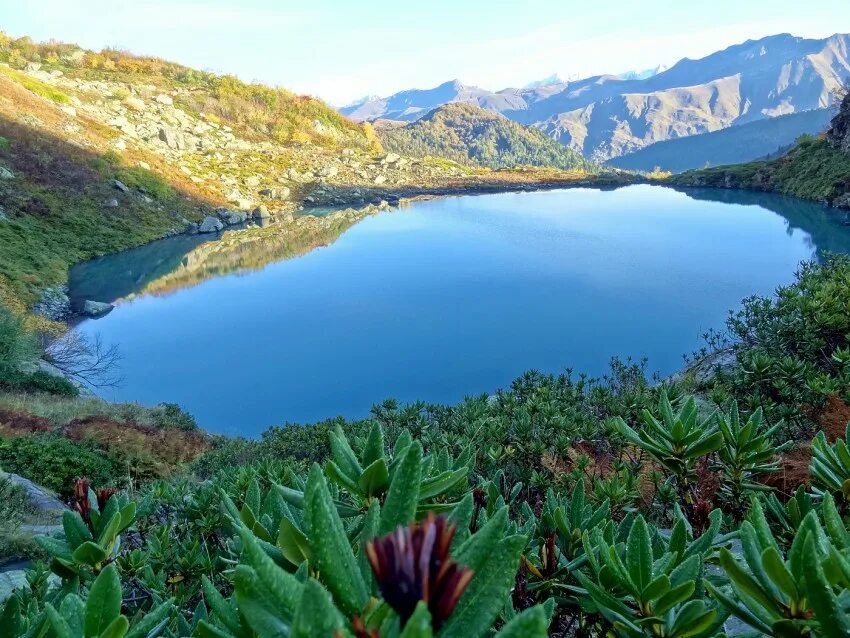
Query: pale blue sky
(342, 49)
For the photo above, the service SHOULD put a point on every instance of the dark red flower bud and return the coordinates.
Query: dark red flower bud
(81, 499)
(413, 564)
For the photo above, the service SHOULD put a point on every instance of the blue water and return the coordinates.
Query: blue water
(459, 296)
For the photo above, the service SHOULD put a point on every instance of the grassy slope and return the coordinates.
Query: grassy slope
(471, 135)
(811, 170)
(57, 203)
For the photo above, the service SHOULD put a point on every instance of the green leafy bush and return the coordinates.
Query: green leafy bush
(793, 350)
(56, 462)
(39, 381)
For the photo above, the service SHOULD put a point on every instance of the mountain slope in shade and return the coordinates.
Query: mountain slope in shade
(470, 135)
(607, 116)
(733, 145)
(817, 168)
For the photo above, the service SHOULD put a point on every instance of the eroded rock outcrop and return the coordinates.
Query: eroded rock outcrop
(839, 132)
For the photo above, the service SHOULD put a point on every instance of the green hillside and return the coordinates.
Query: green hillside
(471, 135)
(817, 168)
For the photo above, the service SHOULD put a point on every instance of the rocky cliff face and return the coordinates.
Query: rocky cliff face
(839, 131)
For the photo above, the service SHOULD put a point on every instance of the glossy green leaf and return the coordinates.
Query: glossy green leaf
(90, 553)
(316, 614)
(330, 548)
(399, 506)
(419, 624)
(103, 604)
(375, 478)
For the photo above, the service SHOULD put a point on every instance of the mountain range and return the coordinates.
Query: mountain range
(608, 116)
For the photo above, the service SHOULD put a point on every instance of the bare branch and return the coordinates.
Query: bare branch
(86, 360)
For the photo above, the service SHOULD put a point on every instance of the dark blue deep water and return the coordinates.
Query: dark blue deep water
(451, 297)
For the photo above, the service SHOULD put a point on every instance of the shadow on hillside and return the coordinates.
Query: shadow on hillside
(61, 203)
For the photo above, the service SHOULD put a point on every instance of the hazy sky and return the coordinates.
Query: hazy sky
(343, 49)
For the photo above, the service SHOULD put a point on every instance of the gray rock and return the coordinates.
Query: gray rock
(380, 179)
(70, 111)
(3, 215)
(232, 217)
(261, 212)
(135, 103)
(121, 186)
(281, 193)
(164, 99)
(96, 309)
(54, 303)
(38, 497)
(253, 180)
(210, 224)
(10, 581)
(5, 173)
(172, 138)
(391, 158)
(329, 171)
(32, 67)
(112, 203)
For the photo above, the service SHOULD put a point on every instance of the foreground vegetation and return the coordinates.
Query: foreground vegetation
(561, 506)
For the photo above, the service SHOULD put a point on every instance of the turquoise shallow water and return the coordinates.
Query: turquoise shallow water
(450, 297)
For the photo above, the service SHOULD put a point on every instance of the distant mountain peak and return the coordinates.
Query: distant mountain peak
(361, 101)
(547, 81)
(643, 74)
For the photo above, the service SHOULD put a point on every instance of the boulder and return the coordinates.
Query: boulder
(95, 309)
(261, 212)
(172, 138)
(112, 203)
(210, 225)
(391, 158)
(281, 193)
(232, 217)
(164, 99)
(121, 186)
(135, 103)
(328, 171)
(253, 180)
(70, 111)
(380, 179)
(5, 173)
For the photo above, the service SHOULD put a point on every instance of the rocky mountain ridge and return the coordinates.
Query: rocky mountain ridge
(610, 115)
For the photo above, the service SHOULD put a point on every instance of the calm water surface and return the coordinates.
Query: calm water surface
(448, 298)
